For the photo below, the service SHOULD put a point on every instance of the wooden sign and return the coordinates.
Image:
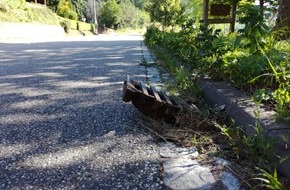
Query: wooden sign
(220, 10)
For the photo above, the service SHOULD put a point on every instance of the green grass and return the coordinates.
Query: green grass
(29, 13)
(73, 24)
(17, 11)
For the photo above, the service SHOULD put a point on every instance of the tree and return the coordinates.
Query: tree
(141, 4)
(194, 8)
(52, 4)
(132, 16)
(66, 9)
(283, 19)
(111, 14)
(166, 12)
(80, 7)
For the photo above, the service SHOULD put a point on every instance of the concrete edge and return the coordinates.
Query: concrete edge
(242, 109)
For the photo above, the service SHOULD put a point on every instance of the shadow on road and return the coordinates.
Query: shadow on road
(63, 124)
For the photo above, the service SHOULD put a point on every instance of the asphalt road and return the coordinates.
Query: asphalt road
(63, 124)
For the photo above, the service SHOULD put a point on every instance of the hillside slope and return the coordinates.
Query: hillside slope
(14, 11)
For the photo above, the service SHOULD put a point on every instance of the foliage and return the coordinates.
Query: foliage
(255, 148)
(141, 4)
(185, 80)
(80, 8)
(252, 59)
(13, 4)
(255, 31)
(66, 25)
(77, 25)
(132, 17)
(166, 12)
(17, 11)
(273, 65)
(283, 17)
(52, 4)
(194, 9)
(111, 14)
(269, 181)
(66, 9)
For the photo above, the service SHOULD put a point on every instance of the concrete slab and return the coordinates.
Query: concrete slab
(171, 150)
(186, 174)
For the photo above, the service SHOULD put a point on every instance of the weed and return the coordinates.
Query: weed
(269, 180)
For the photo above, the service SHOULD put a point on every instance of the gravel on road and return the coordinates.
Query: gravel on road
(63, 124)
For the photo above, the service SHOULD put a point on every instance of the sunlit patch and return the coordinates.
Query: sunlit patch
(19, 76)
(5, 85)
(99, 78)
(82, 84)
(4, 60)
(9, 150)
(119, 64)
(25, 118)
(50, 74)
(117, 71)
(34, 92)
(64, 157)
(59, 67)
(36, 50)
(29, 104)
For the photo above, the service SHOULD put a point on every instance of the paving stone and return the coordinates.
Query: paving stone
(186, 174)
(230, 181)
(221, 161)
(171, 150)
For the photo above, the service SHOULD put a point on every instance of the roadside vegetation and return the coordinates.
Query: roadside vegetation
(19, 11)
(78, 14)
(255, 59)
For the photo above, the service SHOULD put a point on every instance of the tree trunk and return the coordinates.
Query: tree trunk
(283, 19)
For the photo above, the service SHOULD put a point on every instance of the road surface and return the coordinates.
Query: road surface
(63, 124)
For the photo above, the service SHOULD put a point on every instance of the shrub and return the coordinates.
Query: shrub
(67, 10)
(111, 14)
(66, 25)
(3, 7)
(72, 15)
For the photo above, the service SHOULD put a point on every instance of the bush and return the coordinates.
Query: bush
(250, 60)
(3, 7)
(66, 25)
(111, 14)
(72, 15)
(66, 9)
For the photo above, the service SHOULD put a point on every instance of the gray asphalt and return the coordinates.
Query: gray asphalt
(63, 124)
